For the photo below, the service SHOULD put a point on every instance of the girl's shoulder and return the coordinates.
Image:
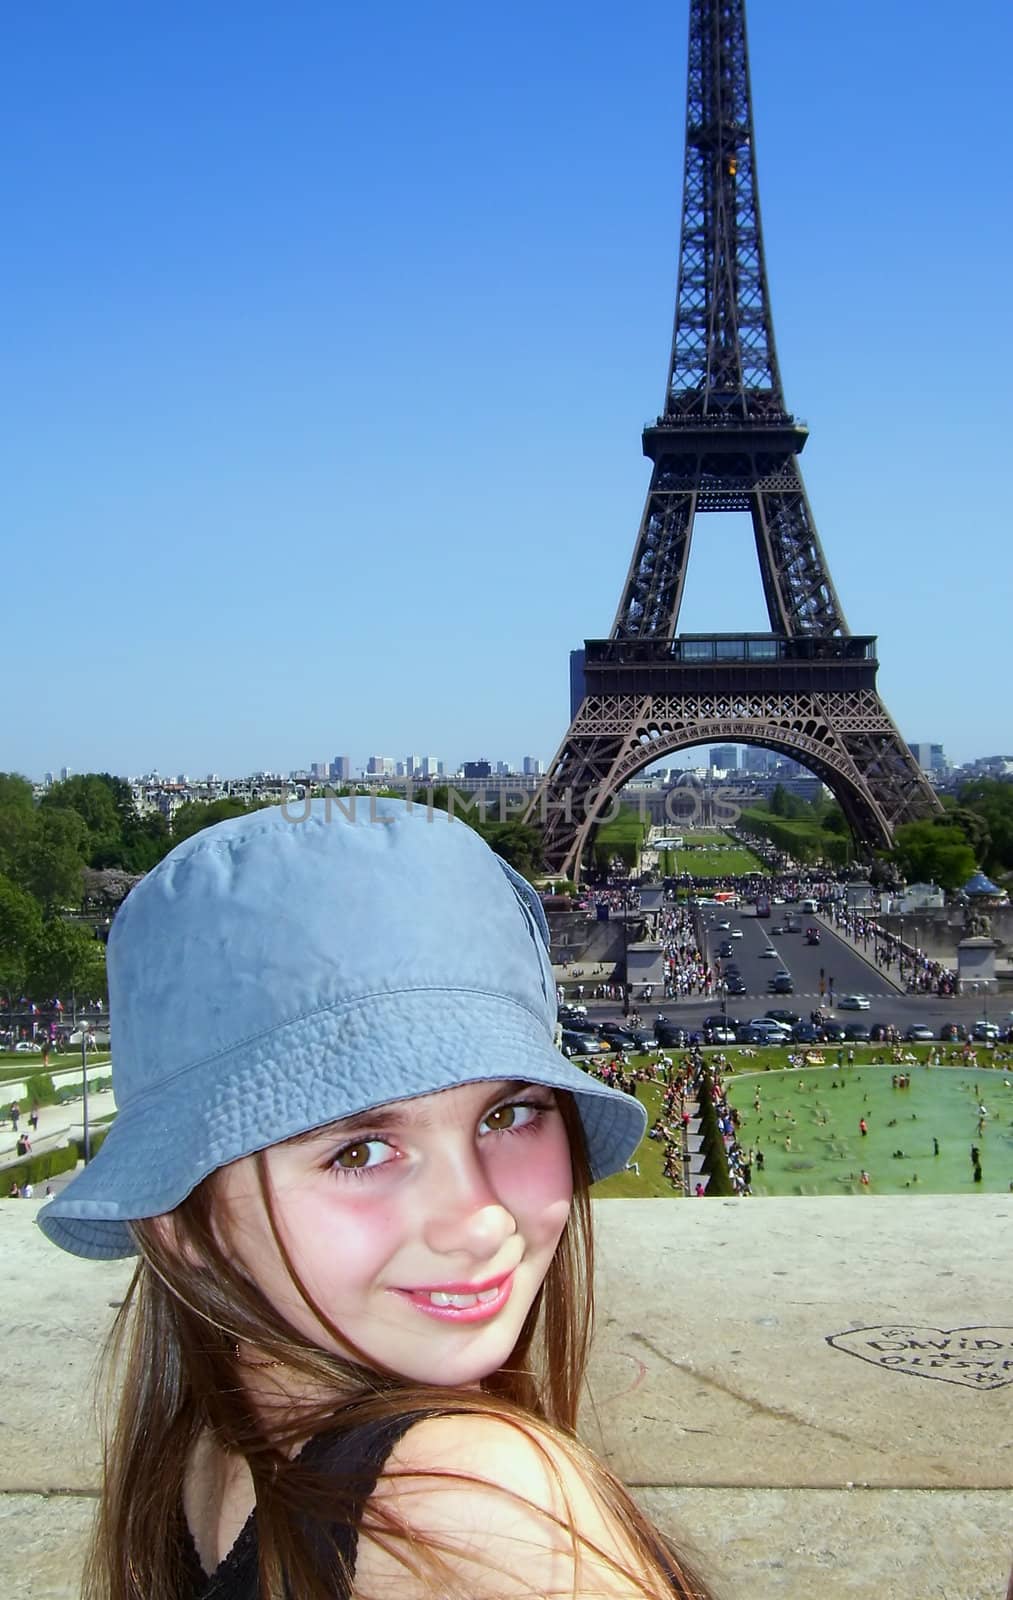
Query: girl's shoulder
(509, 1507)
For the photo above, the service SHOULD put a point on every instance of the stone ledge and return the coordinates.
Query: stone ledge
(873, 1466)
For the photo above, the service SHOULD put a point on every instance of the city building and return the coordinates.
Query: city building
(473, 770)
(930, 757)
(340, 769)
(380, 766)
(532, 767)
(757, 759)
(725, 757)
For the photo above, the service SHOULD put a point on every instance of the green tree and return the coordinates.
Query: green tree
(517, 843)
(931, 851)
(16, 791)
(91, 796)
(991, 799)
(66, 958)
(146, 840)
(197, 815)
(20, 926)
(51, 863)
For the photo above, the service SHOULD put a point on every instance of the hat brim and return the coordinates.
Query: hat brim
(297, 1077)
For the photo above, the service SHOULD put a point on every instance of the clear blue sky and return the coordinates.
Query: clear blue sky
(329, 332)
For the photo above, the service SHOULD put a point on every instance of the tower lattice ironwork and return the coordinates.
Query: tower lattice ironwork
(726, 442)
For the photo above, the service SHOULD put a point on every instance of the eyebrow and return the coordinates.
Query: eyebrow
(405, 1114)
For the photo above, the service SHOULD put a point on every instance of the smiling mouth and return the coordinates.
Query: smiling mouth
(455, 1305)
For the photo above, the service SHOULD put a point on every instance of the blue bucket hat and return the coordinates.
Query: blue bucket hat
(305, 963)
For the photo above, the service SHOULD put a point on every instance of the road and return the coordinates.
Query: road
(850, 972)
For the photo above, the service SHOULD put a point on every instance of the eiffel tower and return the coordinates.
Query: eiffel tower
(726, 442)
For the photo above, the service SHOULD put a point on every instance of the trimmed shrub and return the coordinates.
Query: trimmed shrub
(36, 1169)
(712, 1141)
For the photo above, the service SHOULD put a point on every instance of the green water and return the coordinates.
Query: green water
(828, 1150)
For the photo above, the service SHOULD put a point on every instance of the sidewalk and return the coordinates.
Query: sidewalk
(56, 1125)
(865, 953)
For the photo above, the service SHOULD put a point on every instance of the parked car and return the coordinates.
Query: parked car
(918, 1031)
(985, 1032)
(857, 1033)
(833, 1032)
(771, 1025)
(28, 1047)
(723, 1034)
(582, 1044)
(952, 1032)
(747, 1034)
(622, 1037)
(735, 985)
(670, 1035)
(853, 1002)
(789, 1018)
(572, 1016)
(807, 1033)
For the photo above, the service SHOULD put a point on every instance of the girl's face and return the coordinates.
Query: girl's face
(423, 1230)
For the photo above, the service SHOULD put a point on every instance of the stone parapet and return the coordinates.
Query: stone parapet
(816, 1393)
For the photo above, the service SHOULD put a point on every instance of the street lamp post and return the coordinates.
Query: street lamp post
(84, 1091)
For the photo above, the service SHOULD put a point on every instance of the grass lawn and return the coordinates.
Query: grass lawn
(732, 861)
(14, 1068)
(652, 1183)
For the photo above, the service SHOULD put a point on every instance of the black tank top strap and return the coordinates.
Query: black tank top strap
(353, 1459)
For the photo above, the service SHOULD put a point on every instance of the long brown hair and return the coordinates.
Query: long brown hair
(173, 1356)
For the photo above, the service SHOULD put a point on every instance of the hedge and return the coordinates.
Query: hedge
(713, 1147)
(37, 1169)
(48, 1163)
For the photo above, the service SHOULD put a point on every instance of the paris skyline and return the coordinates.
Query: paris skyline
(334, 338)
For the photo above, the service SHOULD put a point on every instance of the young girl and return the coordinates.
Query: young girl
(356, 1171)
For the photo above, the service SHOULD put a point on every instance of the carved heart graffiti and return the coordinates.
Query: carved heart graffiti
(977, 1358)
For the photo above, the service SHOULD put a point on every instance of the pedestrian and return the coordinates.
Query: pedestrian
(863, 1127)
(33, 1119)
(935, 1146)
(364, 1241)
(15, 1115)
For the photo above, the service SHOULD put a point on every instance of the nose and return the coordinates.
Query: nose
(464, 1214)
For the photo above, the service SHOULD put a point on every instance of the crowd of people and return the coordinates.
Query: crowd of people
(686, 971)
(921, 974)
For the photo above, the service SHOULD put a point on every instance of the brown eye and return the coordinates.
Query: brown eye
(352, 1156)
(502, 1117)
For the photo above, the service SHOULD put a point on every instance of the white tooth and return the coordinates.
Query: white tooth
(458, 1301)
(485, 1295)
